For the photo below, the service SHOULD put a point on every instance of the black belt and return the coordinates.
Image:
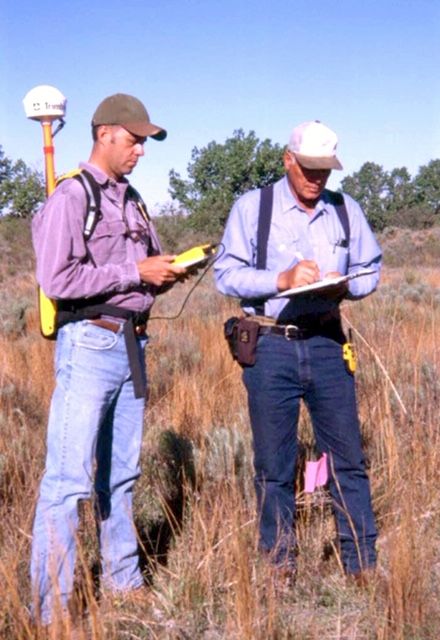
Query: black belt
(131, 330)
(288, 331)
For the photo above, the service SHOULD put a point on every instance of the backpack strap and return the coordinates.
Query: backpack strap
(134, 195)
(93, 195)
(336, 198)
(264, 220)
(263, 229)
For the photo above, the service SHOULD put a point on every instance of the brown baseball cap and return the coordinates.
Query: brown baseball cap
(128, 112)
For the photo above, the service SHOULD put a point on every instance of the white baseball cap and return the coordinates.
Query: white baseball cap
(314, 146)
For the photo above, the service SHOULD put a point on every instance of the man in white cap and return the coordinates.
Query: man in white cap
(291, 234)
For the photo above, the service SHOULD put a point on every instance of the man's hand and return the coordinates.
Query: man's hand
(338, 292)
(304, 272)
(159, 270)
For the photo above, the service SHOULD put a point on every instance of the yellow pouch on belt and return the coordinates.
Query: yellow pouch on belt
(349, 355)
(48, 315)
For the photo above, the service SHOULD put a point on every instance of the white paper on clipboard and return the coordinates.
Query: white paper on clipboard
(322, 285)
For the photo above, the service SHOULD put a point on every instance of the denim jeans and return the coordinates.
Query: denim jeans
(93, 446)
(313, 369)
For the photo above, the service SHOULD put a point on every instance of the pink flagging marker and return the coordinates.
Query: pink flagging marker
(316, 474)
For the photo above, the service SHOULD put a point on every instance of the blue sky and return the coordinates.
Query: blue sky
(368, 69)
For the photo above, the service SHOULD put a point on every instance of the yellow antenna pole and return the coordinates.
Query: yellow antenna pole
(49, 156)
(46, 305)
(46, 104)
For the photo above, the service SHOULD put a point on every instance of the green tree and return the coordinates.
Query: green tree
(5, 167)
(219, 173)
(427, 186)
(394, 198)
(402, 208)
(21, 188)
(400, 189)
(370, 187)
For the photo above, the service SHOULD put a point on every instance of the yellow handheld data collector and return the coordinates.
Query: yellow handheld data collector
(195, 256)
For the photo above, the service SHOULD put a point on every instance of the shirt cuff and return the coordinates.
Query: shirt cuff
(129, 276)
(361, 287)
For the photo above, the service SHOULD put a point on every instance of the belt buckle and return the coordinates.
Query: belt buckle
(290, 331)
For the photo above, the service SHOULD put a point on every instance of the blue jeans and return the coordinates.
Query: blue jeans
(313, 369)
(93, 446)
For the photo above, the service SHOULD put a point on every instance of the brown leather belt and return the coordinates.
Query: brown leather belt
(115, 327)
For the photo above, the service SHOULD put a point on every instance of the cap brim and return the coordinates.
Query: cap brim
(145, 129)
(312, 162)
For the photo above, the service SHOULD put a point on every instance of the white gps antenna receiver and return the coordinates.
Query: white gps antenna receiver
(46, 104)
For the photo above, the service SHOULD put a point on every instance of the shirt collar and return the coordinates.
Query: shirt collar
(287, 199)
(289, 202)
(99, 175)
(102, 178)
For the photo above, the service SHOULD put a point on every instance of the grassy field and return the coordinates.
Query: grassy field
(194, 504)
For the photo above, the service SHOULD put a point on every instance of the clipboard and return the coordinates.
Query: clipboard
(327, 284)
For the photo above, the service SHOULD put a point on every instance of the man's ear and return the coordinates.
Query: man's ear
(102, 132)
(288, 159)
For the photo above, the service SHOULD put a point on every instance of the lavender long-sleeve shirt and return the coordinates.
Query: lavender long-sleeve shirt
(69, 268)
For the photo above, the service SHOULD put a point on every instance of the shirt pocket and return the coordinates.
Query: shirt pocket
(340, 257)
(338, 249)
(140, 234)
(109, 242)
(282, 252)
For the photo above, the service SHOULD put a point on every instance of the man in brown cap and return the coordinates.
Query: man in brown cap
(104, 269)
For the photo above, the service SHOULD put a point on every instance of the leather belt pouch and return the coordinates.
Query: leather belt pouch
(242, 336)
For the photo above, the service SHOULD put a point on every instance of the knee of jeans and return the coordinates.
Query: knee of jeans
(274, 470)
(348, 464)
(267, 487)
(66, 485)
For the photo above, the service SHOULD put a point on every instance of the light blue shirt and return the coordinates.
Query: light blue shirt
(294, 233)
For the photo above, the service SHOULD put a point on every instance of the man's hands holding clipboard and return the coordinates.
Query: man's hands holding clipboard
(304, 278)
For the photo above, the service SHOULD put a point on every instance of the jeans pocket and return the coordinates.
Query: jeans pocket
(95, 338)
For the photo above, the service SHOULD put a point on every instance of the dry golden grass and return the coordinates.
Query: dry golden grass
(194, 504)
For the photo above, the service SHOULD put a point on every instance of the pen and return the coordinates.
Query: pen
(299, 256)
